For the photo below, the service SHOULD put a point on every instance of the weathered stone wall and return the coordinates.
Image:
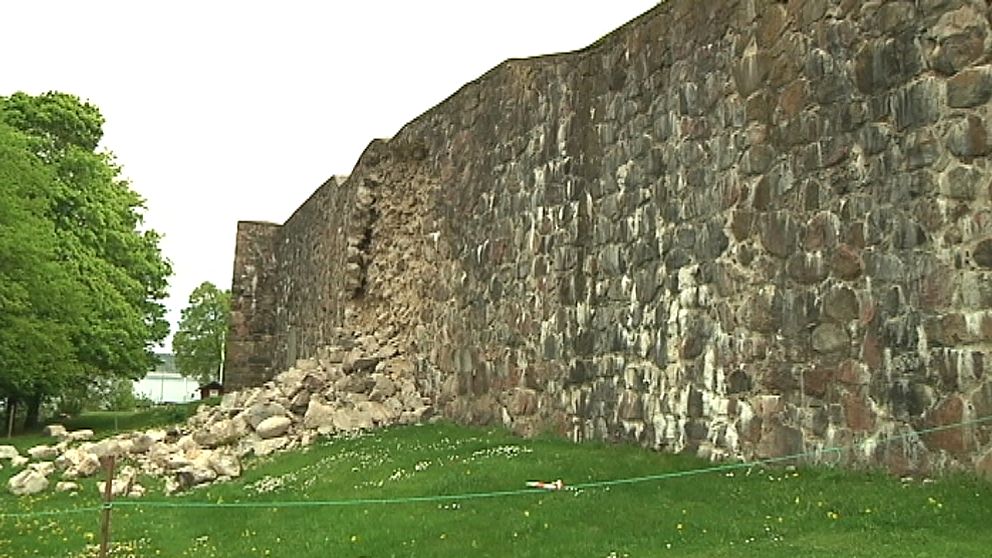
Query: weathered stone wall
(253, 304)
(310, 285)
(290, 285)
(739, 228)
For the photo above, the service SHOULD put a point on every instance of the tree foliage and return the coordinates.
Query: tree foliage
(199, 341)
(40, 297)
(82, 280)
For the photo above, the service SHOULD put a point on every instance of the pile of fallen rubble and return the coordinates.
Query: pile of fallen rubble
(355, 385)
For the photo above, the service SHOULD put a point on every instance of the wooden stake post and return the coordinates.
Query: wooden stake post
(108, 496)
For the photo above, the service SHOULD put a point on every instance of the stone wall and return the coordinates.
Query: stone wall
(738, 228)
(253, 304)
(310, 287)
(288, 288)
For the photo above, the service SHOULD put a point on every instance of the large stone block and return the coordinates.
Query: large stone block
(916, 104)
(952, 436)
(751, 71)
(968, 138)
(961, 36)
(885, 63)
(779, 379)
(27, 482)
(846, 263)
(779, 440)
(982, 253)
(970, 88)
(841, 304)
(779, 235)
(859, 414)
(257, 413)
(830, 338)
(273, 427)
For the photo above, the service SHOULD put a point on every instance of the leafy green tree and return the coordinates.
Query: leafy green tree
(199, 342)
(95, 219)
(40, 299)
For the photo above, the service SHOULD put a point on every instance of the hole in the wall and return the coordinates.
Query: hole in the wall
(364, 247)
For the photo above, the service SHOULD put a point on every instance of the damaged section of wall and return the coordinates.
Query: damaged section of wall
(736, 228)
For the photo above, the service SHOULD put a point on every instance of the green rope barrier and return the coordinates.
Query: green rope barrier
(329, 503)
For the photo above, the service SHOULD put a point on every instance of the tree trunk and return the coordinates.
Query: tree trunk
(9, 419)
(32, 415)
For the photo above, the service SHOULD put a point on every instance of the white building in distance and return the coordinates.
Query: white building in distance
(165, 384)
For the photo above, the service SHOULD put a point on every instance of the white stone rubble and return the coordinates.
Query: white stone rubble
(360, 384)
(54, 430)
(273, 427)
(66, 486)
(43, 452)
(28, 481)
(8, 452)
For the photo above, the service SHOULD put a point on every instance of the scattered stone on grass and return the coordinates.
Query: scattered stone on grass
(350, 387)
(55, 431)
(28, 481)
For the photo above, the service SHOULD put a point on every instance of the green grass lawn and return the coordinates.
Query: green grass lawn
(754, 511)
(108, 422)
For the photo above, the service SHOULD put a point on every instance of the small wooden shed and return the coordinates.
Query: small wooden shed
(213, 389)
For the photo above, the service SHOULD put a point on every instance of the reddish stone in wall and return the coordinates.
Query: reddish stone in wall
(937, 288)
(871, 351)
(779, 379)
(948, 330)
(901, 457)
(858, 412)
(957, 441)
(846, 263)
(793, 98)
(852, 372)
(817, 380)
(779, 440)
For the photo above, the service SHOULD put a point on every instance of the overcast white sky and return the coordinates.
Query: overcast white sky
(222, 111)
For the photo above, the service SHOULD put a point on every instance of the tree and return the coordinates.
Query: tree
(116, 269)
(40, 300)
(199, 342)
